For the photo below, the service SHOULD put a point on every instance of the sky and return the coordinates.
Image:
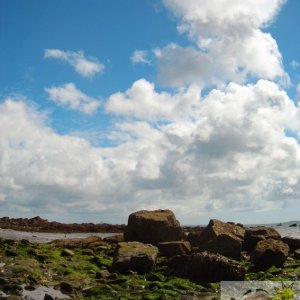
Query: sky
(109, 107)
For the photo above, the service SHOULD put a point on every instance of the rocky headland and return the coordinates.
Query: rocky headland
(153, 258)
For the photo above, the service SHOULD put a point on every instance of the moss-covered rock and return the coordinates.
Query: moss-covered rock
(135, 256)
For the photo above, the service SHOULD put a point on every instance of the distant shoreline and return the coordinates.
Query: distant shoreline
(37, 224)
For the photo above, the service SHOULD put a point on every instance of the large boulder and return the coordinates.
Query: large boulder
(223, 238)
(134, 256)
(293, 243)
(269, 253)
(259, 233)
(170, 249)
(206, 267)
(153, 227)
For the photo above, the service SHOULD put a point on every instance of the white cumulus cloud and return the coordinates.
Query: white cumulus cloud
(140, 57)
(69, 96)
(143, 102)
(228, 43)
(86, 67)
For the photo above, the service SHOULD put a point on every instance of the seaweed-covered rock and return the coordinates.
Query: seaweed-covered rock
(223, 238)
(89, 242)
(170, 249)
(269, 253)
(259, 233)
(114, 239)
(153, 227)
(206, 267)
(134, 256)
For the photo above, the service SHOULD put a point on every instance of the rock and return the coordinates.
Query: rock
(3, 281)
(10, 253)
(293, 243)
(12, 288)
(67, 253)
(89, 242)
(297, 254)
(48, 297)
(206, 267)
(170, 249)
(42, 258)
(102, 274)
(153, 227)
(223, 238)
(134, 256)
(114, 239)
(100, 291)
(259, 233)
(293, 225)
(66, 288)
(269, 253)
(194, 236)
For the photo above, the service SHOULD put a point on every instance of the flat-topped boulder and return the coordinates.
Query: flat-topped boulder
(268, 253)
(223, 238)
(259, 233)
(134, 256)
(206, 267)
(153, 227)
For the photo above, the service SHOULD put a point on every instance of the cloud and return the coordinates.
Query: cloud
(72, 98)
(294, 64)
(232, 151)
(227, 46)
(86, 67)
(140, 57)
(158, 106)
(298, 92)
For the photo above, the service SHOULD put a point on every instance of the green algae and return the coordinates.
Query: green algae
(43, 264)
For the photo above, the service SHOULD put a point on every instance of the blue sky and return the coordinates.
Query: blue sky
(107, 107)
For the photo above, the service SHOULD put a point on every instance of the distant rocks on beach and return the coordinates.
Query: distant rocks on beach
(38, 224)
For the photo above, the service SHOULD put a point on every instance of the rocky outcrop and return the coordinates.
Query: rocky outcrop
(259, 233)
(223, 238)
(206, 267)
(170, 249)
(134, 256)
(153, 227)
(269, 252)
(293, 243)
(38, 224)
